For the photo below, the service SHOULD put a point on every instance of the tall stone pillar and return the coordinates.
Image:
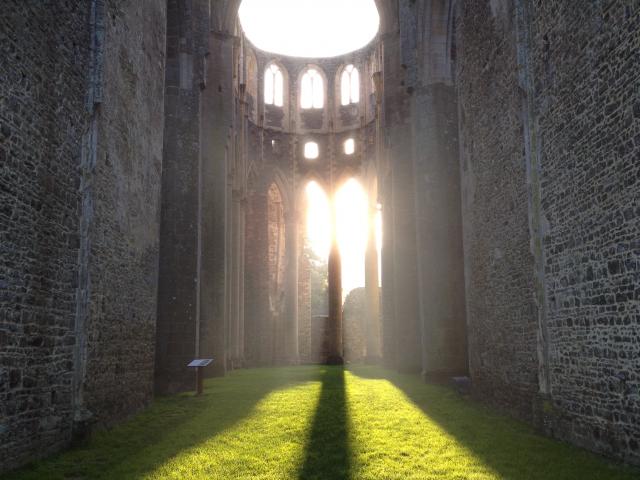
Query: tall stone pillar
(256, 302)
(335, 351)
(290, 322)
(438, 212)
(406, 324)
(383, 172)
(372, 292)
(241, 279)
(240, 203)
(217, 113)
(439, 233)
(235, 300)
(389, 333)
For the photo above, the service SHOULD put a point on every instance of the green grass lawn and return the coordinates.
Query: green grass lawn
(322, 423)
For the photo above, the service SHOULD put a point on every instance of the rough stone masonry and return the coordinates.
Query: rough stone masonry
(500, 140)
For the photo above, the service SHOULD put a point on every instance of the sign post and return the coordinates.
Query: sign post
(199, 365)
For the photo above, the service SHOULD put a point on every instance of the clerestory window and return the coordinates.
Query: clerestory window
(350, 85)
(311, 150)
(312, 90)
(274, 86)
(349, 146)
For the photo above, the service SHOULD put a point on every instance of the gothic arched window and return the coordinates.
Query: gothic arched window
(312, 90)
(273, 86)
(350, 85)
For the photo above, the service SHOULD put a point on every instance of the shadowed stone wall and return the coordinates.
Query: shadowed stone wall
(586, 67)
(499, 265)
(123, 235)
(545, 97)
(549, 117)
(187, 30)
(81, 116)
(258, 326)
(44, 64)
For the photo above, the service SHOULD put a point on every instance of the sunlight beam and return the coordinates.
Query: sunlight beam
(351, 204)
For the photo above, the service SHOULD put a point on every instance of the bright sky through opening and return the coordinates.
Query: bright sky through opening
(309, 28)
(352, 227)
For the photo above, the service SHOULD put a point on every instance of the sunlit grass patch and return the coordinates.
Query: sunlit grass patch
(403, 429)
(327, 424)
(269, 443)
(252, 424)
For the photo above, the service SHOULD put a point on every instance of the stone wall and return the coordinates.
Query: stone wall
(304, 304)
(81, 117)
(258, 328)
(177, 293)
(436, 180)
(333, 116)
(499, 266)
(44, 59)
(354, 319)
(123, 232)
(400, 303)
(549, 119)
(586, 67)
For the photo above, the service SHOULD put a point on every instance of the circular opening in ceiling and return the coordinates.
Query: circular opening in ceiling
(309, 28)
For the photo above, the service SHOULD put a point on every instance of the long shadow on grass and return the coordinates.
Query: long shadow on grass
(327, 454)
(170, 426)
(510, 448)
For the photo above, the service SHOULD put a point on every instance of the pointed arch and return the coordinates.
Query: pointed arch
(349, 85)
(312, 88)
(274, 85)
(317, 214)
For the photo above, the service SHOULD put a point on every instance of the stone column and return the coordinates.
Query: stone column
(241, 277)
(406, 324)
(290, 322)
(234, 277)
(230, 260)
(436, 181)
(216, 110)
(372, 291)
(334, 356)
(177, 326)
(334, 274)
(439, 233)
(383, 172)
(256, 302)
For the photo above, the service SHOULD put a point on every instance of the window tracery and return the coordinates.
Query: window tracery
(350, 85)
(312, 90)
(274, 86)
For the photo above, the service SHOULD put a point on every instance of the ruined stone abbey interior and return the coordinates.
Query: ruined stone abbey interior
(155, 170)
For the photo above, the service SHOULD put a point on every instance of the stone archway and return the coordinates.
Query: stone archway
(212, 114)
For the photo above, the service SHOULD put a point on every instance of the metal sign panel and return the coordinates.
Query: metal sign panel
(201, 362)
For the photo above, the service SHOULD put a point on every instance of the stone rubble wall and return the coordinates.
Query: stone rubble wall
(44, 60)
(587, 68)
(81, 127)
(550, 121)
(353, 326)
(499, 265)
(124, 243)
